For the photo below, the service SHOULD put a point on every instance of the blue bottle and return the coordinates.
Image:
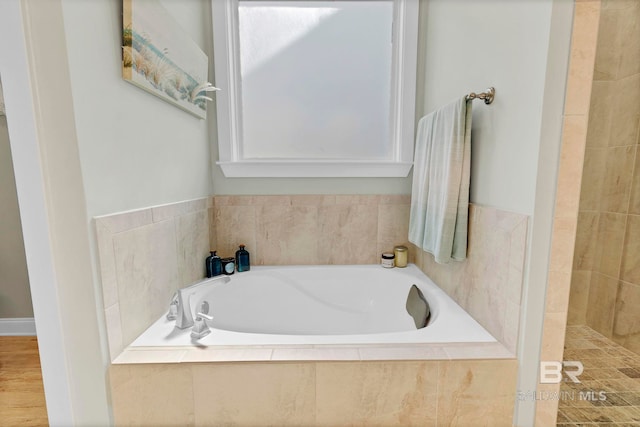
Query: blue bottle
(242, 260)
(213, 265)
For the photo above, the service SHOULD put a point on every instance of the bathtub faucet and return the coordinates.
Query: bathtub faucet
(184, 315)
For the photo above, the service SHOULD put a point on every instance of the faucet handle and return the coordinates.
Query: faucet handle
(199, 316)
(200, 327)
(173, 308)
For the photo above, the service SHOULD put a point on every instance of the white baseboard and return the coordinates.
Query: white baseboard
(18, 326)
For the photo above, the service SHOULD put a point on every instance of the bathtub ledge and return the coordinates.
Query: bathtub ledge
(455, 351)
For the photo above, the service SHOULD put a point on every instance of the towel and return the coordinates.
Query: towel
(441, 177)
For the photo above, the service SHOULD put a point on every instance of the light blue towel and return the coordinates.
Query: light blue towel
(441, 177)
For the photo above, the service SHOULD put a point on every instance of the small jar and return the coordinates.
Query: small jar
(228, 265)
(387, 260)
(401, 253)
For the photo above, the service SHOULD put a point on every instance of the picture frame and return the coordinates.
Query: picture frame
(161, 58)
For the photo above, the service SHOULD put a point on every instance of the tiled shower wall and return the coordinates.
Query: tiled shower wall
(146, 255)
(605, 288)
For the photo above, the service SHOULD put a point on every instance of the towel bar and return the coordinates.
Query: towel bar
(488, 95)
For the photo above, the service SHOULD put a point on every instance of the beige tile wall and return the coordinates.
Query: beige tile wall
(488, 284)
(562, 284)
(406, 393)
(606, 268)
(310, 229)
(144, 256)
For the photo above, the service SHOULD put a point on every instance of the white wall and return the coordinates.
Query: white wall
(15, 296)
(471, 45)
(136, 150)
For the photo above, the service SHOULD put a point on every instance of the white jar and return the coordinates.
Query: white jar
(387, 260)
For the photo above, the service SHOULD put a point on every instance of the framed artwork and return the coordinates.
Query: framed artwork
(161, 58)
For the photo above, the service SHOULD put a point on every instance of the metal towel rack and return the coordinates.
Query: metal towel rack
(487, 95)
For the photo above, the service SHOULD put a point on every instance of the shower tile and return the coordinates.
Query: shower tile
(595, 162)
(600, 114)
(347, 234)
(634, 205)
(582, 58)
(287, 235)
(377, 393)
(572, 159)
(601, 305)
(192, 232)
(563, 243)
(630, 44)
(627, 320)
(608, 50)
(630, 259)
(558, 290)
(586, 241)
(626, 111)
(611, 230)
(472, 391)
(146, 264)
(254, 394)
(152, 394)
(617, 180)
(578, 297)
(235, 225)
(553, 339)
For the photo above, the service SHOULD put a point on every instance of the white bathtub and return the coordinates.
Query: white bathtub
(308, 305)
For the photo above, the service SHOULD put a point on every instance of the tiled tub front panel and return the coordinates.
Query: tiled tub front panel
(403, 393)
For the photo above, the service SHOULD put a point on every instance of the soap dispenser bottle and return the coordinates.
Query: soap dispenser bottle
(242, 260)
(213, 264)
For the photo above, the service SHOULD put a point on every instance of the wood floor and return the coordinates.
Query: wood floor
(21, 392)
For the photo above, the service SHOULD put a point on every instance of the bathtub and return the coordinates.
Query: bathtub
(318, 305)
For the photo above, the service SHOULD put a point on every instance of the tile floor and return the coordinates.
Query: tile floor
(609, 391)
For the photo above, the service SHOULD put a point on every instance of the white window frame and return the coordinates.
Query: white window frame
(229, 109)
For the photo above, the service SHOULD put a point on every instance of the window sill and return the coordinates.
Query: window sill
(314, 169)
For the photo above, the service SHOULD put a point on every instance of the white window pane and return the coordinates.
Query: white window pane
(316, 79)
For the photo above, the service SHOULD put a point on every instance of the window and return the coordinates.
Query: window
(315, 88)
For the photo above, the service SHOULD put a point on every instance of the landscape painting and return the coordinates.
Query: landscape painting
(161, 58)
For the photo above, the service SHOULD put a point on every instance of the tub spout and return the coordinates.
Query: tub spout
(184, 316)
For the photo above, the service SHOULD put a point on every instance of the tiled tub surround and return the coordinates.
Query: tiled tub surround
(311, 229)
(448, 384)
(145, 256)
(488, 284)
